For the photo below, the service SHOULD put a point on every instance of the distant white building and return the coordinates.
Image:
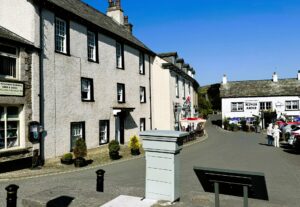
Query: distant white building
(247, 99)
(174, 91)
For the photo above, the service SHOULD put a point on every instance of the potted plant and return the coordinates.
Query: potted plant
(80, 151)
(114, 148)
(67, 158)
(134, 145)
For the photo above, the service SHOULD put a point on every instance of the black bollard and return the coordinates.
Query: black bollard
(100, 180)
(11, 200)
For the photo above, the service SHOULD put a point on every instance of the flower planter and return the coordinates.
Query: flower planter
(79, 162)
(135, 152)
(114, 155)
(66, 161)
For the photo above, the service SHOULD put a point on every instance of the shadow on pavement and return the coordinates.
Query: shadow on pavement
(292, 151)
(266, 144)
(62, 201)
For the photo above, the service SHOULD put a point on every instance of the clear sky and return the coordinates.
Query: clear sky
(244, 39)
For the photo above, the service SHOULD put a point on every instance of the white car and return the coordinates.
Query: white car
(295, 131)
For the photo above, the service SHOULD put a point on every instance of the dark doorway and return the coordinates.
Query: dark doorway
(120, 127)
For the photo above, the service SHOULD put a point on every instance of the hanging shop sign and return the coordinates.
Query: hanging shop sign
(11, 89)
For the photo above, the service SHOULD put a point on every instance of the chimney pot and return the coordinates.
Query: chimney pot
(275, 77)
(125, 19)
(224, 79)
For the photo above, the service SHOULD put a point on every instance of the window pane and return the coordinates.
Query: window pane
(91, 46)
(12, 112)
(119, 55)
(76, 133)
(104, 132)
(60, 35)
(7, 66)
(8, 49)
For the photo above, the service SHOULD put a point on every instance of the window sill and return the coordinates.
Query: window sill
(121, 68)
(143, 102)
(121, 102)
(62, 53)
(93, 61)
(87, 100)
(291, 109)
(142, 73)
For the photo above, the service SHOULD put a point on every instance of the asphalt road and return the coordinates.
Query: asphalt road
(222, 149)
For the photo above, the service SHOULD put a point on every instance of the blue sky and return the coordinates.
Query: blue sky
(244, 39)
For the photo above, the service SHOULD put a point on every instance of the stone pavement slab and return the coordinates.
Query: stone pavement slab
(129, 201)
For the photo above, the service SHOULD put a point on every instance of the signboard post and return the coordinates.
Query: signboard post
(236, 183)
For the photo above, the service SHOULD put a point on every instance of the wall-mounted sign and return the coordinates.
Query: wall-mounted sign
(11, 89)
(251, 105)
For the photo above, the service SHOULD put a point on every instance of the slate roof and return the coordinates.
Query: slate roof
(167, 54)
(260, 88)
(97, 18)
(9, 35)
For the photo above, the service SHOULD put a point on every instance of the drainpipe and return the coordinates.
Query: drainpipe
(150, 92)
(41, 83)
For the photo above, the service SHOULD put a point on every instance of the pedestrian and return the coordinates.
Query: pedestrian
(276, 135)
(269, 134)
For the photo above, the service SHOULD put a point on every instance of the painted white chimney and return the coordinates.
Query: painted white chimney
(298, 75)
(224, 81)
(115, 11)
(275, 77)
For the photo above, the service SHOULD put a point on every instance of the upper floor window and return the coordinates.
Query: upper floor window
(183, 88)
(237, 106)
(87, 92)
(142, 94)
(121, 92)
(142, 63)
(265, 105)
(291, 105)
(92, 46)
(177, 86)
(120, 55)
(8, 61)
(61, 36)
(189, 88)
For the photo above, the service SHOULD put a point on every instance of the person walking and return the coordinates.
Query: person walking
(270, 134)
(276, 134)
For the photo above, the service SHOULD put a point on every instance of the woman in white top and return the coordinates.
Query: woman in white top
(276, 134)
(269, 134)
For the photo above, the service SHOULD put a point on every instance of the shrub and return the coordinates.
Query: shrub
(80, 149)
(244, 125)
(114, 148)
(226, 123)
(233, 127)
(67, 156)
(134, 143)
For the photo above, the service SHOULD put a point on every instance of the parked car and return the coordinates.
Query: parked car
(294, 133)
(287, 130)
(296, 142)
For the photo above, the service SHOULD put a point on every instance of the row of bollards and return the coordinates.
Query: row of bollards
(11, 199)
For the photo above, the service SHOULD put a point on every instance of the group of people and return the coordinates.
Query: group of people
(273, 135)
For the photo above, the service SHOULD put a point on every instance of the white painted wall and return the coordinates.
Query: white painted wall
(20, 17)
(278, 104)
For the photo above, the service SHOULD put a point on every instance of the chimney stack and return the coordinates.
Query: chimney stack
(275, 77)
(115, 11)
(224, 81)
(298, 75)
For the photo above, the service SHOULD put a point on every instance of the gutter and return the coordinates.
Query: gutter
(150, 97)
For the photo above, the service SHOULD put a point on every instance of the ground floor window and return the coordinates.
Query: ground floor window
(9, 127)
(104, 131)
(237, 106)
(142, 124)
(291, 105)
(265, 105)
(77, 132)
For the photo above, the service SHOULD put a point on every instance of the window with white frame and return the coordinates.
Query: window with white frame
(104, 131)
(291, 105)
(121, 92)
(265, 105)
(60, 35)
(142, 63)
(119, 55)
(237, 106)
(183, 88)
(77, 132)
(87, 89)
(9, 127)
(143, 94)
(92, 46)
(8, 61)
(142, 124)
(177, 86)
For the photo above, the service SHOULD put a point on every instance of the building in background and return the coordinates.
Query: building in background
(174, 91)
(266, 99)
